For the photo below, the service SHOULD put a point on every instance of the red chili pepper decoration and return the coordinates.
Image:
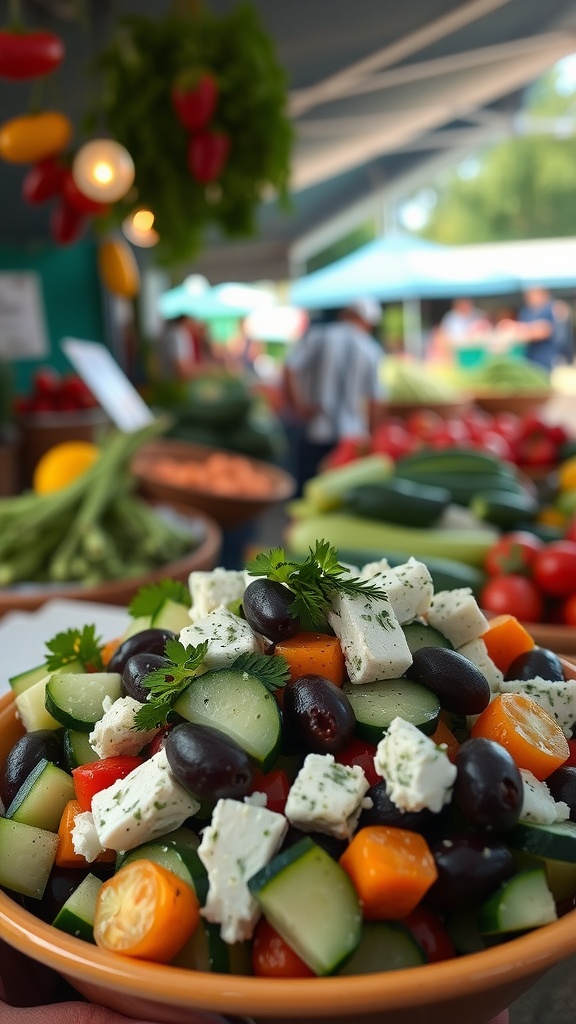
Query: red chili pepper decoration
(67, 225)
(26, 55)
(207, 155)
(194, 98)
(75, 198)
(43, 181)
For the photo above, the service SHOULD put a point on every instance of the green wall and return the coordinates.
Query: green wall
(72, 299)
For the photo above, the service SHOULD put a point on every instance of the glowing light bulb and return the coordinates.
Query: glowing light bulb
(138, 228)
(103, 170)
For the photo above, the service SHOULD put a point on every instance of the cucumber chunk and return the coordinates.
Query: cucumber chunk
(207, 951)
(27, 855)
(240, 706)
(77, 749)
(311, 902)
(76, 916)
(75, 698)
(171, 615)
(418, 635)
(384, 946)
(42, 797)
(522, 903)
(376, 704)
(24, 680)
(556, 841)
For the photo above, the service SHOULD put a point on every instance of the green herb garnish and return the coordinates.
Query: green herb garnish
(166, 684)
(272, 670)
(75, 645)
(314, 581)
(150, 598)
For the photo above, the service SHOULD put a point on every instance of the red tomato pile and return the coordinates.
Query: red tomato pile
(531, 579)
(527, 441)
(52, 392)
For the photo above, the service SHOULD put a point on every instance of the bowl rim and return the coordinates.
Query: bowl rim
(80, 961)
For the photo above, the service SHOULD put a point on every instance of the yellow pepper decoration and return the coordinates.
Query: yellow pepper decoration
(33, 137)
(118, 268)
(62, 464)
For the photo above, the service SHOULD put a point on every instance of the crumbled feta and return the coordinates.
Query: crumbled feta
(408, 587)
(145, 804)
(227, 635)
(85, 839)
(417, 772)
(456, 614)
(371, 569)
(538, 804)
(477, 652)
(239, 840)
(209, 590)
(115, 734)
(326, 796)
(558, 698)
(372, 639)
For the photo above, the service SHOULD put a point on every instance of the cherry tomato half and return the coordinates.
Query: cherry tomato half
(513, 553)
(512, 595)
(272, 957)
(361, 753)
(430, 933)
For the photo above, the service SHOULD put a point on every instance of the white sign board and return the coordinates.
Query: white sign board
(22, 317)
(108, 383)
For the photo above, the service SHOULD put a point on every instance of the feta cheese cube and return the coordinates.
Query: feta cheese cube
(372, 639)
(538, 804)
(146, 804)
(456, 614)
(557, 698)
(209, 590)
(85, 839)
(417, 772)
(239, 840)
(408, 587)
(227, 634)
(326, 796)
(371, 569)
(115, 734)
(477, 652)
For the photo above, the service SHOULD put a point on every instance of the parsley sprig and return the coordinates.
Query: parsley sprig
(166, 684)
(150, 597)
(75, 645)
(314, 582)
(272, 670)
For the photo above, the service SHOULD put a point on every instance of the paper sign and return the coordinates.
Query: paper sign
(108, 383)
(22, 317)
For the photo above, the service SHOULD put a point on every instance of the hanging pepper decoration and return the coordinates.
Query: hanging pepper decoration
(25, 55)
(194, 97)
(33, 137)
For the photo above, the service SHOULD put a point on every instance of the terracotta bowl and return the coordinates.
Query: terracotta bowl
(470, 989)
(227, 510)
(207, 539)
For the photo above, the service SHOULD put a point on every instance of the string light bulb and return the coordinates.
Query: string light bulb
(103, 170)
(138, 227)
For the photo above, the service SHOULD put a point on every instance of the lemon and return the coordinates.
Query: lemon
(62, 464)
(567, 475)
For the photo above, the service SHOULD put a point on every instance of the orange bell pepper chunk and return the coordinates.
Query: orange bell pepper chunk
(529, 733)
(66, 856)
(505, 639)
(391, 868)
(313, 654)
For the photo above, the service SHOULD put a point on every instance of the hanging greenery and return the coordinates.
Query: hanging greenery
(199, 101)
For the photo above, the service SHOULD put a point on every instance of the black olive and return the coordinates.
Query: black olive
(25, 755)
(538, 662)
(488, 790)
(469, 868)
(459, 685)
(266, 605)
(207, 763)
(319, 714)
(146, 641)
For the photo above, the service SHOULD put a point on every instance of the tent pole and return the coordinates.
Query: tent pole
(413, 341)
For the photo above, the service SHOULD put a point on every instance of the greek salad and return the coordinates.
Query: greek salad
(302, 769)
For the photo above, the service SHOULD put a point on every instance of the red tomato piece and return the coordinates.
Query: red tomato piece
(272, 957)
(512, 595)
(362, 753)
(430, 933)
(554, 568)
(275, 785)
(90, 779)
(513, 553)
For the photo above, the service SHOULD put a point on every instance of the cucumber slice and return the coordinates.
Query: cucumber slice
(76, 916)
(377, 704)
(75, 699)
(462, 927)
(560, 874)
(522, 903)
(181, 860)
(24, 680)
(384, 946)
(171, 615)
(207, 951)
(136, 625)
(240, 706)
(557, 841)
(31, 705)
(311, 902)
(77, 749)
(42, 797)
(418, 635)
(27, 856)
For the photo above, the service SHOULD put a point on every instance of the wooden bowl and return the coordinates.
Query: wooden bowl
(561, 639)
(207, 538)
(502, 401)
(227, 510)
(470, 989)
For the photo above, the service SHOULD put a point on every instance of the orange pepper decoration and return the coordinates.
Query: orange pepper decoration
(529, 733)
(32, 137)
(391, 869)
(145, 911)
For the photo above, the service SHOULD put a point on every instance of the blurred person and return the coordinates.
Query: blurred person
(459, 324)
(185, 347)
(538, 329)
(564, 331)
(331, 382)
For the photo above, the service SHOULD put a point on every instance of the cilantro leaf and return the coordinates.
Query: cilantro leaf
(272, 670)
(166, 684)
(314, 581)
(75, 645)
(150, 598)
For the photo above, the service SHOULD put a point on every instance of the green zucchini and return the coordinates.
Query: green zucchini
(327, 490)
(504, 508)
(464, 486)
(399, 501)
(452, 460)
